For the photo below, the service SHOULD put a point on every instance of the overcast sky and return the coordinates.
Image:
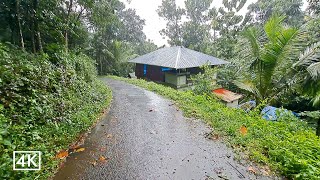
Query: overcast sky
(146, 9)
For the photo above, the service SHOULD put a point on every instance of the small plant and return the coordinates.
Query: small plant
(204, 82)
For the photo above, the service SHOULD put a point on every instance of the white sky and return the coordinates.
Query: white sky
(146, 9)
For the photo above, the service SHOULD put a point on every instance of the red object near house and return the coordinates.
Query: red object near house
(229, 97)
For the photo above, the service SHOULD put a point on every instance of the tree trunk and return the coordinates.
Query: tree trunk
(33, 41)
(36, 27)
(67, 25)
(318, 128)
(39, 41)
(19, 24)
(215, 43)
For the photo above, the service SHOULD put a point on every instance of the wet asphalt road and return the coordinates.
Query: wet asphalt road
(144, 136)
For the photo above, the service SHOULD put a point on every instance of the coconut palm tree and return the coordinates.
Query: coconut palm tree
(271, 51)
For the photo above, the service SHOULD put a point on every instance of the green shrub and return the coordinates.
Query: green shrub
(288, 145)
(41, 98)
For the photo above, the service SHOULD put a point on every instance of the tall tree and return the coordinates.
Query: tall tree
(227, 23)
(131, 27)
(18, 16)
(262, 10)
(313, 7)
(173, 15)
(196, 31)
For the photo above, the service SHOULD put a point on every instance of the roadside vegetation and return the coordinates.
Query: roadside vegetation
(288, 145)
(46, 105)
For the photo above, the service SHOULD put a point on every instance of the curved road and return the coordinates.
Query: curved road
(144, 136)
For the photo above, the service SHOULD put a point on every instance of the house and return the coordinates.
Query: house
(173, 65)
(229, 98)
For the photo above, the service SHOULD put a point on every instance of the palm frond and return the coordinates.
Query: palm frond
(309, 56)
(248, 86)
(253, 45)
(316, 99)
(314, 70)
(273, 26)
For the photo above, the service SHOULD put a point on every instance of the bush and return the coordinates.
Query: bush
(288, 145)
(41, 97)
(205, 82)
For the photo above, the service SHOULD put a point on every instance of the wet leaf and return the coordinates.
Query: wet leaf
(215, 137)
(103, 149)
(243, 130)
(252, 170)
(75, 146)
(62, 154)
(80, 149)
(94, 163)
(102, 159)
(109, 136)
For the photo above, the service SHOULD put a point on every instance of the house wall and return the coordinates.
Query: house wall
(233, 104)
(176, 80)
(155, 73)
(171, 78)
(139, 70)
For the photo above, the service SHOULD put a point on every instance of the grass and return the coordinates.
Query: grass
(288, 146)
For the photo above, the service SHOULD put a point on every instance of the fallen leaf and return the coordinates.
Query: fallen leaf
(243, 130)
(109, 136)
(80, 149)
(62, 154)
(75, 146)
(102, 159)
(215, 137)
(103, 149)
(94, 163)
(252, 170)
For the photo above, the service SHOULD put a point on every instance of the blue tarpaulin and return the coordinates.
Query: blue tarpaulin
(270, 113)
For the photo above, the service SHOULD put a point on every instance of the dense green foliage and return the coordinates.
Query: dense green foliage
(100, 29)
(288, 145)
(41, 98)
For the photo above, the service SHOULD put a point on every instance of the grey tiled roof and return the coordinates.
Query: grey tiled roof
(177, 57)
